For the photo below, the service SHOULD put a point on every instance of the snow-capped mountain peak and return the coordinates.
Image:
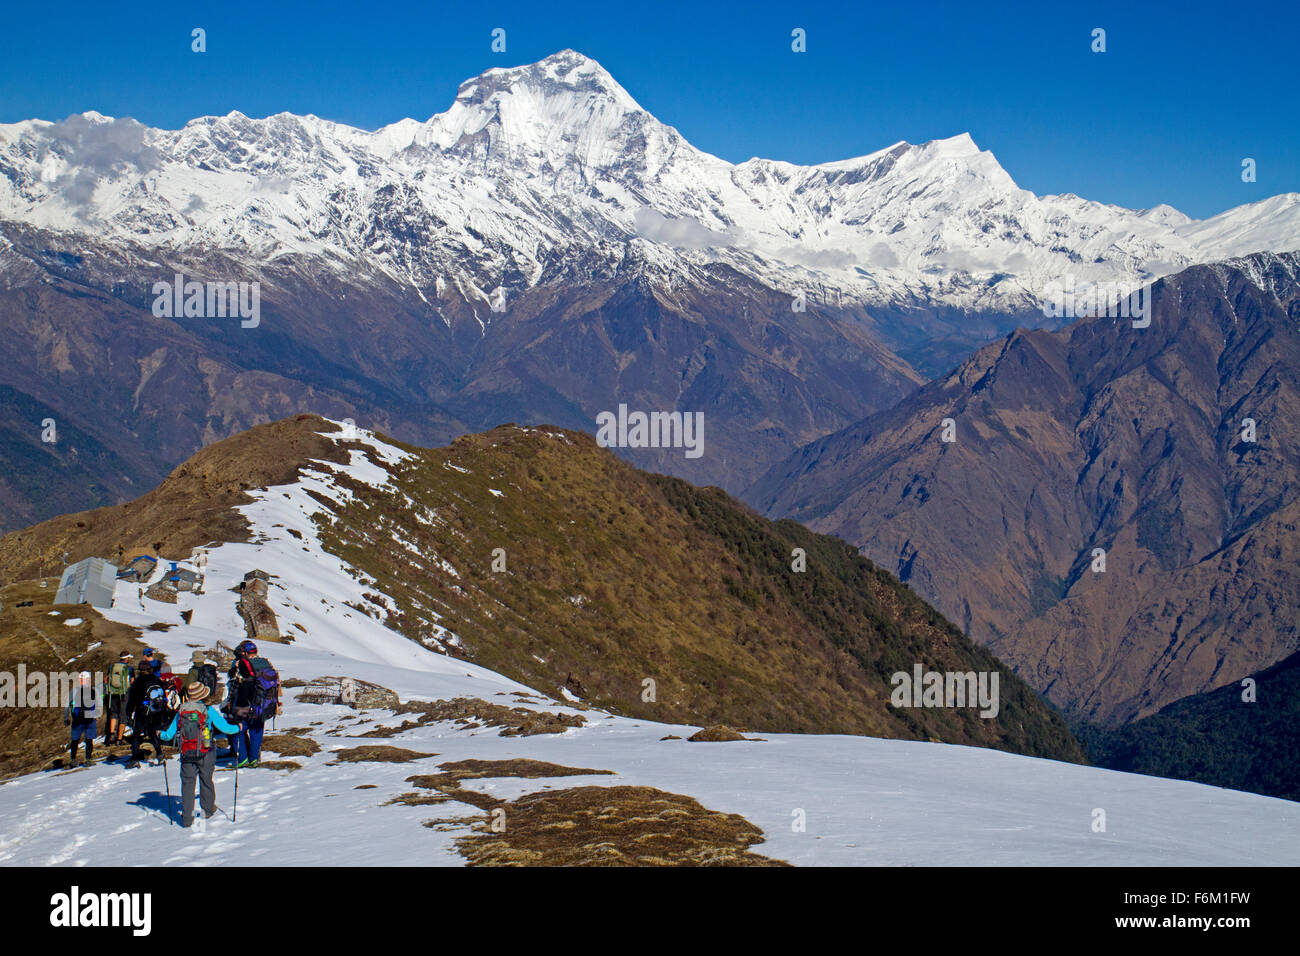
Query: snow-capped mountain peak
(535, 166)
(563, 109)
(564, 75)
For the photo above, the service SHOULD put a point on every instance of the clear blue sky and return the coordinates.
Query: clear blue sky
(1184, 92)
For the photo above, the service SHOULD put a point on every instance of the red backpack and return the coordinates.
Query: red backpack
(174, 680)
(192, 730)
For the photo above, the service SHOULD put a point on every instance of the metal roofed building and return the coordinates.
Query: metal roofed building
(89, 581)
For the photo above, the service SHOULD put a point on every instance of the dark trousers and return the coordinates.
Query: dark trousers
(82, 730)
(248, 742)
(197, 769)
(115, 719)
(141, 731)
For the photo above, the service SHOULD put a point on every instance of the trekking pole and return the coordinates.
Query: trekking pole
(234, 746)
(167, 784)
(234, 810)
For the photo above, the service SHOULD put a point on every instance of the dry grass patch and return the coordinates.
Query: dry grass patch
(289, 744)
(448, 787)
(417, 799)
(473, 712)
(718, 734)
(390, 731)
(279, 765)
(614, 826)
(519, 767)
(447, 783)
(382, 753)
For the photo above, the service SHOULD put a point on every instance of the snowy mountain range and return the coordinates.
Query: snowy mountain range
(536, 166)
(542, 252)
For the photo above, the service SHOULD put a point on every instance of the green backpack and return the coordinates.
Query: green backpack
(119, 678)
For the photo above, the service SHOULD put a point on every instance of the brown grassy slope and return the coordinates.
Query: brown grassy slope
(193, 507)
(615, 577)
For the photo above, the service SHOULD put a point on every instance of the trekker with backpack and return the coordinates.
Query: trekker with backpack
(146, 702)
(83, 711)
(203, 672)
(192, 729)
(174, 685)
(254, 699)
(116, 684)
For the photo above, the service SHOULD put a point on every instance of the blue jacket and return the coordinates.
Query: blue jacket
(215, 720)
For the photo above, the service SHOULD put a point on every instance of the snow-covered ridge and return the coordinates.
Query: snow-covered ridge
(314, 595)
(1274, 274)
(536, 165)
(865, 801)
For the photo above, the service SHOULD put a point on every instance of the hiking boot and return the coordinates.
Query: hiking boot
(244, 763)
(255, 763)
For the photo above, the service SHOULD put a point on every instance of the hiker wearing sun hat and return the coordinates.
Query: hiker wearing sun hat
(201, 671)
(192, 729)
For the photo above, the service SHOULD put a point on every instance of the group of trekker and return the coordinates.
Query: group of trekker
(161, 707)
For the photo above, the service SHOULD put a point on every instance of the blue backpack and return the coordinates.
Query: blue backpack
(155, 700)
(265, 695)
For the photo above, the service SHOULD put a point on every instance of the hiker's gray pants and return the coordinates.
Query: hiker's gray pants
(200, 769)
